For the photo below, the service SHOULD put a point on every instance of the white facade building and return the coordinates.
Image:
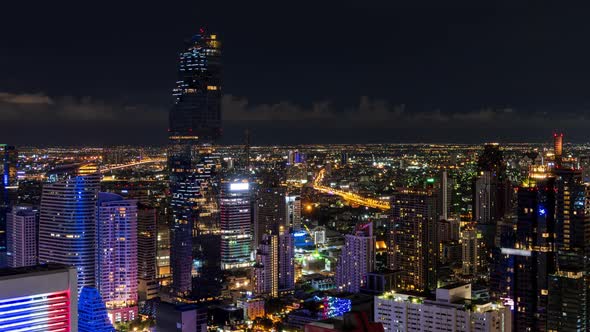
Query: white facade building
(452, 310)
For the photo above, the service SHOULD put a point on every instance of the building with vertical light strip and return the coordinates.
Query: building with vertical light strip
(67, 221)
(116, 259)
(41, 298)
(266, 269)
(235, 223)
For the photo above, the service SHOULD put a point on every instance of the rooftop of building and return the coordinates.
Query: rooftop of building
(36, 269)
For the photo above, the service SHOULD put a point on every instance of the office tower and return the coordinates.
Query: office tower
(39, 298)
(356, 260)
(235, 222)
(473, 252)
(270, 212)
(452, 310)
(286, 260)
(572, 221)
(568, 302)
(484, 205)
(22, 236)
(116, 260)
(197, 106)
(527, 257)
(412, 237)
(163, 272)
(146, 252)
(558, 148)
(294, 212)
(92, 312)
(344, 158)
(67, 221)
(492, 188)
(445, 195)
(8, 193)
(195, 121)
(295, 157)
(266, 268)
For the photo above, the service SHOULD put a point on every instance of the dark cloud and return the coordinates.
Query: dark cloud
(71, 120)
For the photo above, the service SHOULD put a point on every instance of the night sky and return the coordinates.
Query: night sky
(312, 72)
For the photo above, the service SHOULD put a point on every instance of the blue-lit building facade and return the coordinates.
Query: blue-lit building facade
(67, 221)
(92, 312)
(194, 123)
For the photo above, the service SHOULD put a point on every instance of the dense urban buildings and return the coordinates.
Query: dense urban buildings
(203, 236)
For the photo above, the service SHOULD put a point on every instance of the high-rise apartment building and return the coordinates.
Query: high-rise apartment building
(294, 212)
(67, 221)
(473, 252)
(266, 268)
(270, 212)
(412, 236)
(8, 193)
(39, 298)
(116, 255)
(195, 121)
(356, 260)
(22, 236)
(146, 252)
(492, 193)
(286, 260)
(235, 224)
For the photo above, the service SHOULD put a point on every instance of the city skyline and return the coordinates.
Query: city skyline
(386, 72)
(315, 168)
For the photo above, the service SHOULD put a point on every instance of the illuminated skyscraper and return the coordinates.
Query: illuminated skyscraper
(22, 236)
(527, 257)
(8, 192)
(269, 212)
(116, 256)
(356, 260)
(492, 188)
(266, 268)
(286, 260)
(39, 298)
(294, 212)
(235, 222)
(197, 107)
(412, 236)
(558, 147)
(67, 222)
(195, 121)
(146, 252)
